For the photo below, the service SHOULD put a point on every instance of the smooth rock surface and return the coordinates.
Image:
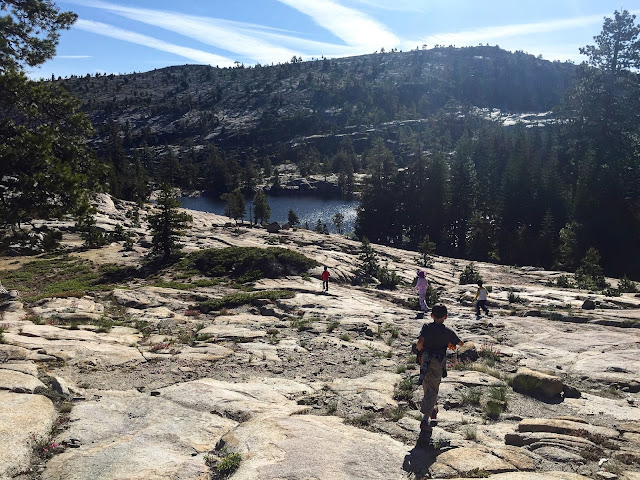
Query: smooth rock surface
(128, 435)
(312, 447)
(18, 381)
(21, 417)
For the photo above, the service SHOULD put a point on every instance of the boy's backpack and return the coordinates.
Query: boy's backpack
(416, 348)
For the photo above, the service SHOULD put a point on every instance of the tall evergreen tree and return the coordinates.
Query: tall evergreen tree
(261, 208)
(47, 168)
(168, 224)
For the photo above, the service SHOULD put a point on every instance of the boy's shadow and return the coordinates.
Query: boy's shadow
(419, 459)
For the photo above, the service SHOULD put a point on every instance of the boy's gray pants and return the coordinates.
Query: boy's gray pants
(430, 386)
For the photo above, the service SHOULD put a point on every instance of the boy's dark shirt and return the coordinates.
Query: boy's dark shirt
(437, 338)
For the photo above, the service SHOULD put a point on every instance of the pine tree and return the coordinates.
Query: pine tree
(617, 47)
(368, 266)
(46, 167)
(167, 225)
(261, 208)
(292, 218)
(338, 222)
(235, 205)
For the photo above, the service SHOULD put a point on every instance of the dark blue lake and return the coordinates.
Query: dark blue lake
(309, 209)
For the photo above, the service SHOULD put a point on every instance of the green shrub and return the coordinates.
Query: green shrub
(627, 286)
(471, 397)
(56, 276)
(433, 296)
(611, 292)
(513, 298)
(489, 351)
(498, 393)
(229, 464)
(300, 324)
(470, 432)
(332, 326)
(470, 275)
(403, 391)
(589, 275)
(238, 299)
(249, 263)
(563, 281)
(395, 413)
(363, 420)
(388, 279)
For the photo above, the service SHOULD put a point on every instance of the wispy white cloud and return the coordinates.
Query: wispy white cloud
(199, 56)
(223, 34)
(395, 5)
(261, 43)
(74, 57)
(307, 48)
(352, 26)
(493, 34)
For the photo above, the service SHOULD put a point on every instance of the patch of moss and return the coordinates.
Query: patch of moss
(60, 276)
(248, 264)
(244, 298)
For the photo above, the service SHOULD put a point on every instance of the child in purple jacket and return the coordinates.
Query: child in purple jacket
(421, 287)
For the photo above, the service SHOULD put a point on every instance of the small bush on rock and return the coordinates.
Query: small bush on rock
(389, 279)
(404, 390)
(627, 286)
(589, 275)
(563, 281)
(470, 275)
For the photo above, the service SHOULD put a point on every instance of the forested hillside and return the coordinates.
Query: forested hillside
(218, 129)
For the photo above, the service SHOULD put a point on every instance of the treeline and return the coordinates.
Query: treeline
(527, 196)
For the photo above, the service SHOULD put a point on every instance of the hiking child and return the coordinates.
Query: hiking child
(421, 287)
(481, 300)
(325, 279)
(433, 341)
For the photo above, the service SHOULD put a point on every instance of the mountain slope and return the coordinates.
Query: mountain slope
(261, 107)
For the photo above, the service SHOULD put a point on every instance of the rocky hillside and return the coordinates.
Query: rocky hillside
(111, 369)
(257, 109)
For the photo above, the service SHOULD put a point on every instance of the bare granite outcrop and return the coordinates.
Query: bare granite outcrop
(134, 382)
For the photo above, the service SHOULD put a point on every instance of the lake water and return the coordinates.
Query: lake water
(309, 209)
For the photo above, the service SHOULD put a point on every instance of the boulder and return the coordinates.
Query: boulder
(570, 392)
(566, 427)
(18, 381)
(273, 227)
(588, 304)
(468, 459)
(467, 352)
(537, 384)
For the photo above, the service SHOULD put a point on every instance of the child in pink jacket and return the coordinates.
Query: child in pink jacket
(421, 287)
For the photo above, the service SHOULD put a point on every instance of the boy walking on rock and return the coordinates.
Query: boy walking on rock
(325, 279)
(481, 300)
(433, 341)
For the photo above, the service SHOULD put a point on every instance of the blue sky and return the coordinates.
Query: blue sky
(115, 36)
